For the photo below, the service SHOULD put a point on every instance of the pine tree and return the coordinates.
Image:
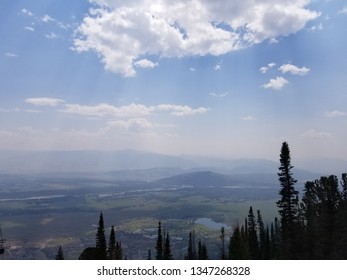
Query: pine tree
(235, 251)
(149, 254)
(101, 247)
(252, 235)
(60, 254)
(167, 255)
(202, 251)
(111, 249)
(267, 246)
(191, 247)
(321, 204)
(119, 251)
(223, 255)
(159, 244)
(262, 235)
(342, 220)
(288, 203)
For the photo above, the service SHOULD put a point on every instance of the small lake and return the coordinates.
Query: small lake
(207, 222)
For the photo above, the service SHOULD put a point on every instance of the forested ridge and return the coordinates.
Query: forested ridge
(311, 227)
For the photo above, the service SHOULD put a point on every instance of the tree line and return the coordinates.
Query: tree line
(313, 227)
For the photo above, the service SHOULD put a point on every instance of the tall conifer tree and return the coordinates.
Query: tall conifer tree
(191, 247)
(252, 235)
(111, 249)
(60, 254)
(167, 255)
(202, 251)
(288, 203)
(101, 247)
(159, 244)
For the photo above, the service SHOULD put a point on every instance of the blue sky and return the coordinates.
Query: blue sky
(217, 78)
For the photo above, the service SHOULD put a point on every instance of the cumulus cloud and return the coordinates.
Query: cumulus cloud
(133, 110)
(335, 114)
(44, 101)
(179, 110)
(313, 134)
(264, 69)
(293, 69)
(135, 124)
(26, 12)
(145, 63)
(122, 31)
(276, 84)
(46, 18)
(103, 109)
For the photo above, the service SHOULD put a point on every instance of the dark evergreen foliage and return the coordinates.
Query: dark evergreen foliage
(191, 247)
(114, 249)
(111, 249)
(223, 255)
(202, 251)
(60, 254)
(288, 205)
(167, 255)
(159, 244)
(238, 248)
(101, 246)
(313, 227)
(90, 253)
(149, 254)
(252, 235)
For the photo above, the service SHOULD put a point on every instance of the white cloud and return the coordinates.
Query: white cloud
(220, 95)
(180, 111)
(122, 31)
(343, 10)
(218, 66)
(46, 18)
(294, 70)
(318, 27)
(313, 134)
(335, 114)
(44, 101)
(264, 69)
(29, 28)
(135, 124)
(133, 110)
(192, 69)
(103, 109)
(145, 63)
(51, 35)
(276, 84)
(9, 54)
(247, 118)
(26, 12)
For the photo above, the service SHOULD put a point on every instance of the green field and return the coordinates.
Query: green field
(35, 223)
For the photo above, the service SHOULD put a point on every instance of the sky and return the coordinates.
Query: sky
(212, 78)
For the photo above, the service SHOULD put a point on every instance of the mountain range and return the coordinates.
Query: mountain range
(139, 165)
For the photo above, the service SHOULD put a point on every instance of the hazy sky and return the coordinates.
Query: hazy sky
(224, 78)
